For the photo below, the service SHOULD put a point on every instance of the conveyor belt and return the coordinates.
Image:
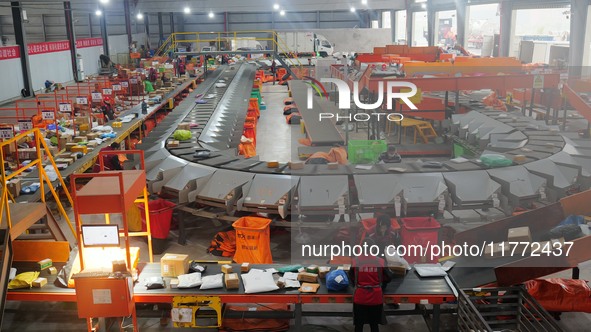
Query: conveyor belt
(319, 132)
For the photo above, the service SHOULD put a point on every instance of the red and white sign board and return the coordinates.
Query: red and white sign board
(9, 52)
(48, 47)
(89, 42)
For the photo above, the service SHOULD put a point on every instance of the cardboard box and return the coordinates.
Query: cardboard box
(227, 269)
(52, 270)
(84, 127)
(14, 187)
(173, 283)
(231, 280)
(309, 288)
(39, 282)
(399, 271)
(92, 144)
(281, 282)
(81, 120)
(92, 136)
(308, 277)
(296, 165)
(184, 126)
(333, 166)
(245, 267)
(519, 234)
(80, 148)
(323, 271)
(173, 265)
(27, 154)
(173, 144)
(44, 264)
(116, 124)
(79, 139)
(69, 146)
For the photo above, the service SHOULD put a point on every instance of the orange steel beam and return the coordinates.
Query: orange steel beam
(577, 102)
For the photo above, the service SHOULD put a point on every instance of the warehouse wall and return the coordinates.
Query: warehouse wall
(11, 68)
(49, 65)
(90, 49)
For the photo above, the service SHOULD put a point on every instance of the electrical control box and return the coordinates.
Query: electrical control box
(104, 296)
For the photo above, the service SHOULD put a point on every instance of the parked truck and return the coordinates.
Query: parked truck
(304, 44)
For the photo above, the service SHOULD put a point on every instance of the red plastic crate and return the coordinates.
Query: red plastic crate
(420, 231)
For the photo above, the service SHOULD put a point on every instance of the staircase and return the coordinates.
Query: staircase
(35, 221)
(425, 131)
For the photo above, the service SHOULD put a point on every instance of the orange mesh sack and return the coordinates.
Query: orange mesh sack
(562, 295)
(253, 240)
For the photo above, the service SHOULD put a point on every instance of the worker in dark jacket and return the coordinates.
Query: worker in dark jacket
(110, 161)
(390, 156)
(367, 274)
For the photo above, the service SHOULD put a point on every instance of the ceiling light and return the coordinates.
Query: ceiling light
(282, 13)
(276, 6)
(98, 12)
(187, 10)
(140, 16)
(353, 9)
(103, 1)
(424, 5)
(211, 15)
(364, 2)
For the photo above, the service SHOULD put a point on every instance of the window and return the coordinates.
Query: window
(484, 23)
(419, 29)
(400, 27)
(386, 20)
(549, 26)
(446, 29)
(325, 43)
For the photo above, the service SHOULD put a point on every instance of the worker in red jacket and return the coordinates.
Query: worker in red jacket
(110, 161)
(368, 274)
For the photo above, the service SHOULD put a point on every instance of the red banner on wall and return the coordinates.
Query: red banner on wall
(48, 47)
(89, 42)
(9, 52)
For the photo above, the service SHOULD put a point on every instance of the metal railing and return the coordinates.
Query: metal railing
(217, 39)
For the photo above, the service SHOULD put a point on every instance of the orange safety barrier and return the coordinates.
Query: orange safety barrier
(254, 103)
(250, 132)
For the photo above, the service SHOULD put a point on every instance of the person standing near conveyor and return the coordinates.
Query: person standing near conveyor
(367, 274)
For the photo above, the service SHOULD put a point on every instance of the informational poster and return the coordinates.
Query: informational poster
(124, 84)
(116, 87)
(107, 92)
(6, 133)
(97, 96)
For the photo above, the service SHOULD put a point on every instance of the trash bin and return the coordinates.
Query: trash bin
(423, 232)
(160, 217)
(369, 226)
(253, 240)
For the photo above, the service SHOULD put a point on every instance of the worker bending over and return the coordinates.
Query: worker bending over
(390, 156)
(110, 161)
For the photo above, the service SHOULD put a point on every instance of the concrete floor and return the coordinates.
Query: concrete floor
(273, 136)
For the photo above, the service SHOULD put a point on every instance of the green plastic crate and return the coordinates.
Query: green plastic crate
(365, 152)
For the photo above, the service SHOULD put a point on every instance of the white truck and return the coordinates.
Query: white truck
(304, 43)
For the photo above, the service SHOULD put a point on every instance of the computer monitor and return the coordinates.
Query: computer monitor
(100, 235)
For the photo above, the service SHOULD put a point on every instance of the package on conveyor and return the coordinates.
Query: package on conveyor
(39, 282)
(519, 234)
(226, 268)
(173, 265)
(322, 271)
(245, 267)
(312, 269)
(44, 264)
(309, 288)
(231, 280)
(308, 277)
